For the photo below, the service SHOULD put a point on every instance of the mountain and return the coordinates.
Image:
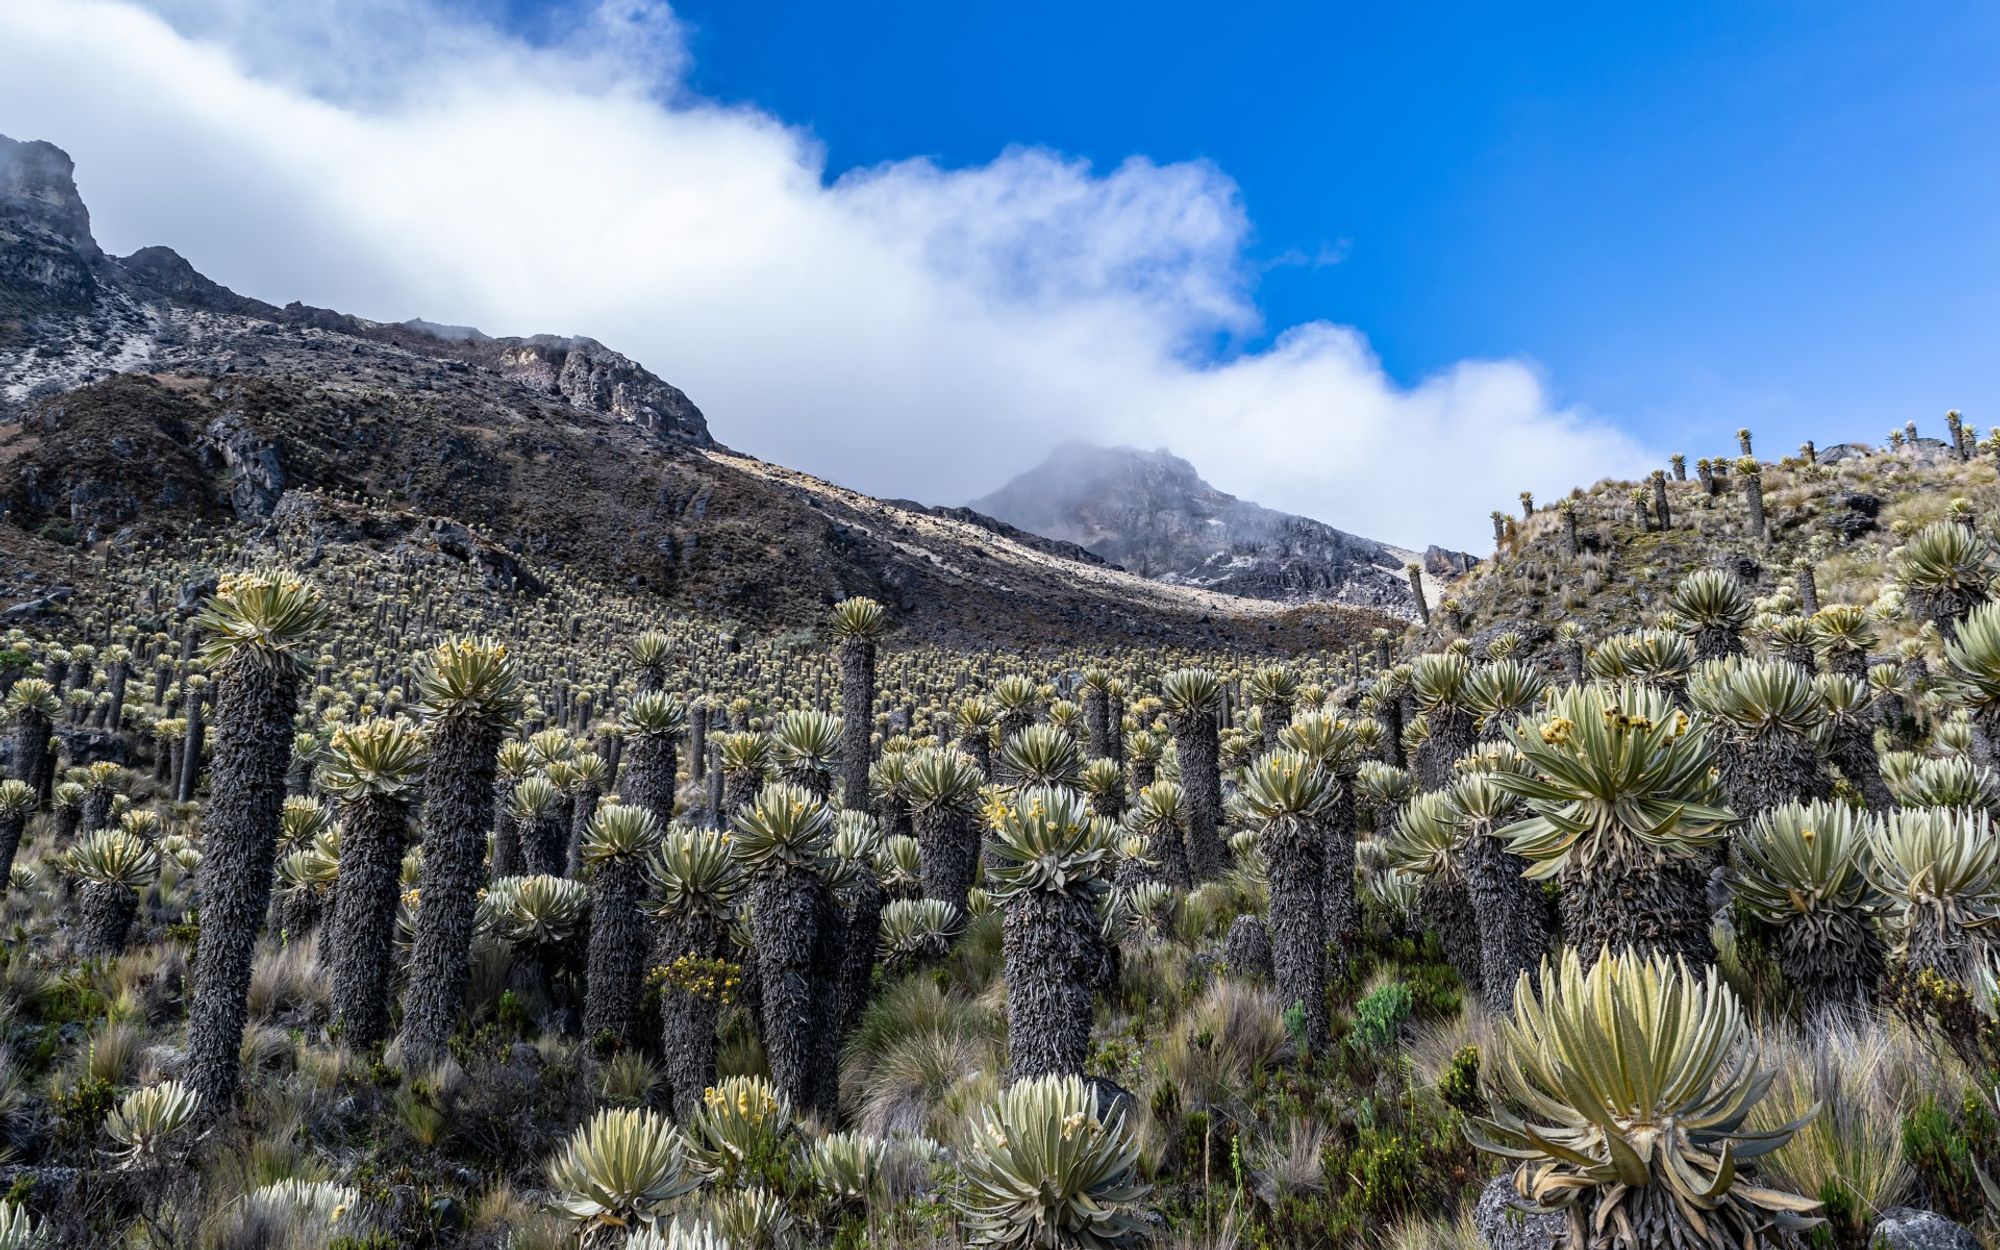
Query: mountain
(139, 399)
(1151, 513)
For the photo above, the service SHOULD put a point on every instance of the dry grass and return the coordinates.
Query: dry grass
(1455, 1233)
(1293, 1162)
(920, 1059)
(113, 1053)
(289, 985)
(1432, 1046)
(1865, 1073)
(1222, 1044)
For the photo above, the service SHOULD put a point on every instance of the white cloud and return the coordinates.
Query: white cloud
(907, 329)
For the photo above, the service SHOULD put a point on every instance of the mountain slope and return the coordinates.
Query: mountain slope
(1151, 513)
(146, 399)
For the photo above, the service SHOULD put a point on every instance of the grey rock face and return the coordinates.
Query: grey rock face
(256, 473)
(1906, 1228)
(1152, 514)
(502, 570)
(48, 259)
(593, 377)
(38, 185)
(1506, 1227)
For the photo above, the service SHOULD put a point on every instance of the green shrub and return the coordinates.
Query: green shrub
(1459, 1086)
(1379, 1018)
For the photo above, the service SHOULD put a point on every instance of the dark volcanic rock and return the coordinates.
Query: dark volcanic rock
(28, 609)
(1854, 516)
(48, 259)
(1151, 513)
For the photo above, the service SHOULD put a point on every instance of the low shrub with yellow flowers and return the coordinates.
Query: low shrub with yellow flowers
(716, 979)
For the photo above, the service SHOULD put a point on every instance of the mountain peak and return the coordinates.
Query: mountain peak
(1153, 513)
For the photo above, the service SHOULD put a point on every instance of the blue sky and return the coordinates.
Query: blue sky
(911, 247)
(1691, 214)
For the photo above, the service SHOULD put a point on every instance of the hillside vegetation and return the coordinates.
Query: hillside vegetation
(367, 889)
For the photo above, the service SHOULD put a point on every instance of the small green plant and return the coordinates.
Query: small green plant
(80, 1108)
(1935, 1147)
(1459, 1086)
(1379, 1017)
(1295, 1025)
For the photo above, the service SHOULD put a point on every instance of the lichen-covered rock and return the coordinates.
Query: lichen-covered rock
(1907, 1228)
(256, 470)
(1506, 1227)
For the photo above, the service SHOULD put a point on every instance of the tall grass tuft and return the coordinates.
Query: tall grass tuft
(1865, 1073)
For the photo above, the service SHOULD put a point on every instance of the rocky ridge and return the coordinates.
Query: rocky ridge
(140, 400)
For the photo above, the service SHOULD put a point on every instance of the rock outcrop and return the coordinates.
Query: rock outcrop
(49, 261)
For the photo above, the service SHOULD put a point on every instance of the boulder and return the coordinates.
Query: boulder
(1853, 515)
(196, 591)
(1113, 1099)
(83, 745)
(1907, 1228)
(1746, 569)
(28, 609)
(1506, 1227)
